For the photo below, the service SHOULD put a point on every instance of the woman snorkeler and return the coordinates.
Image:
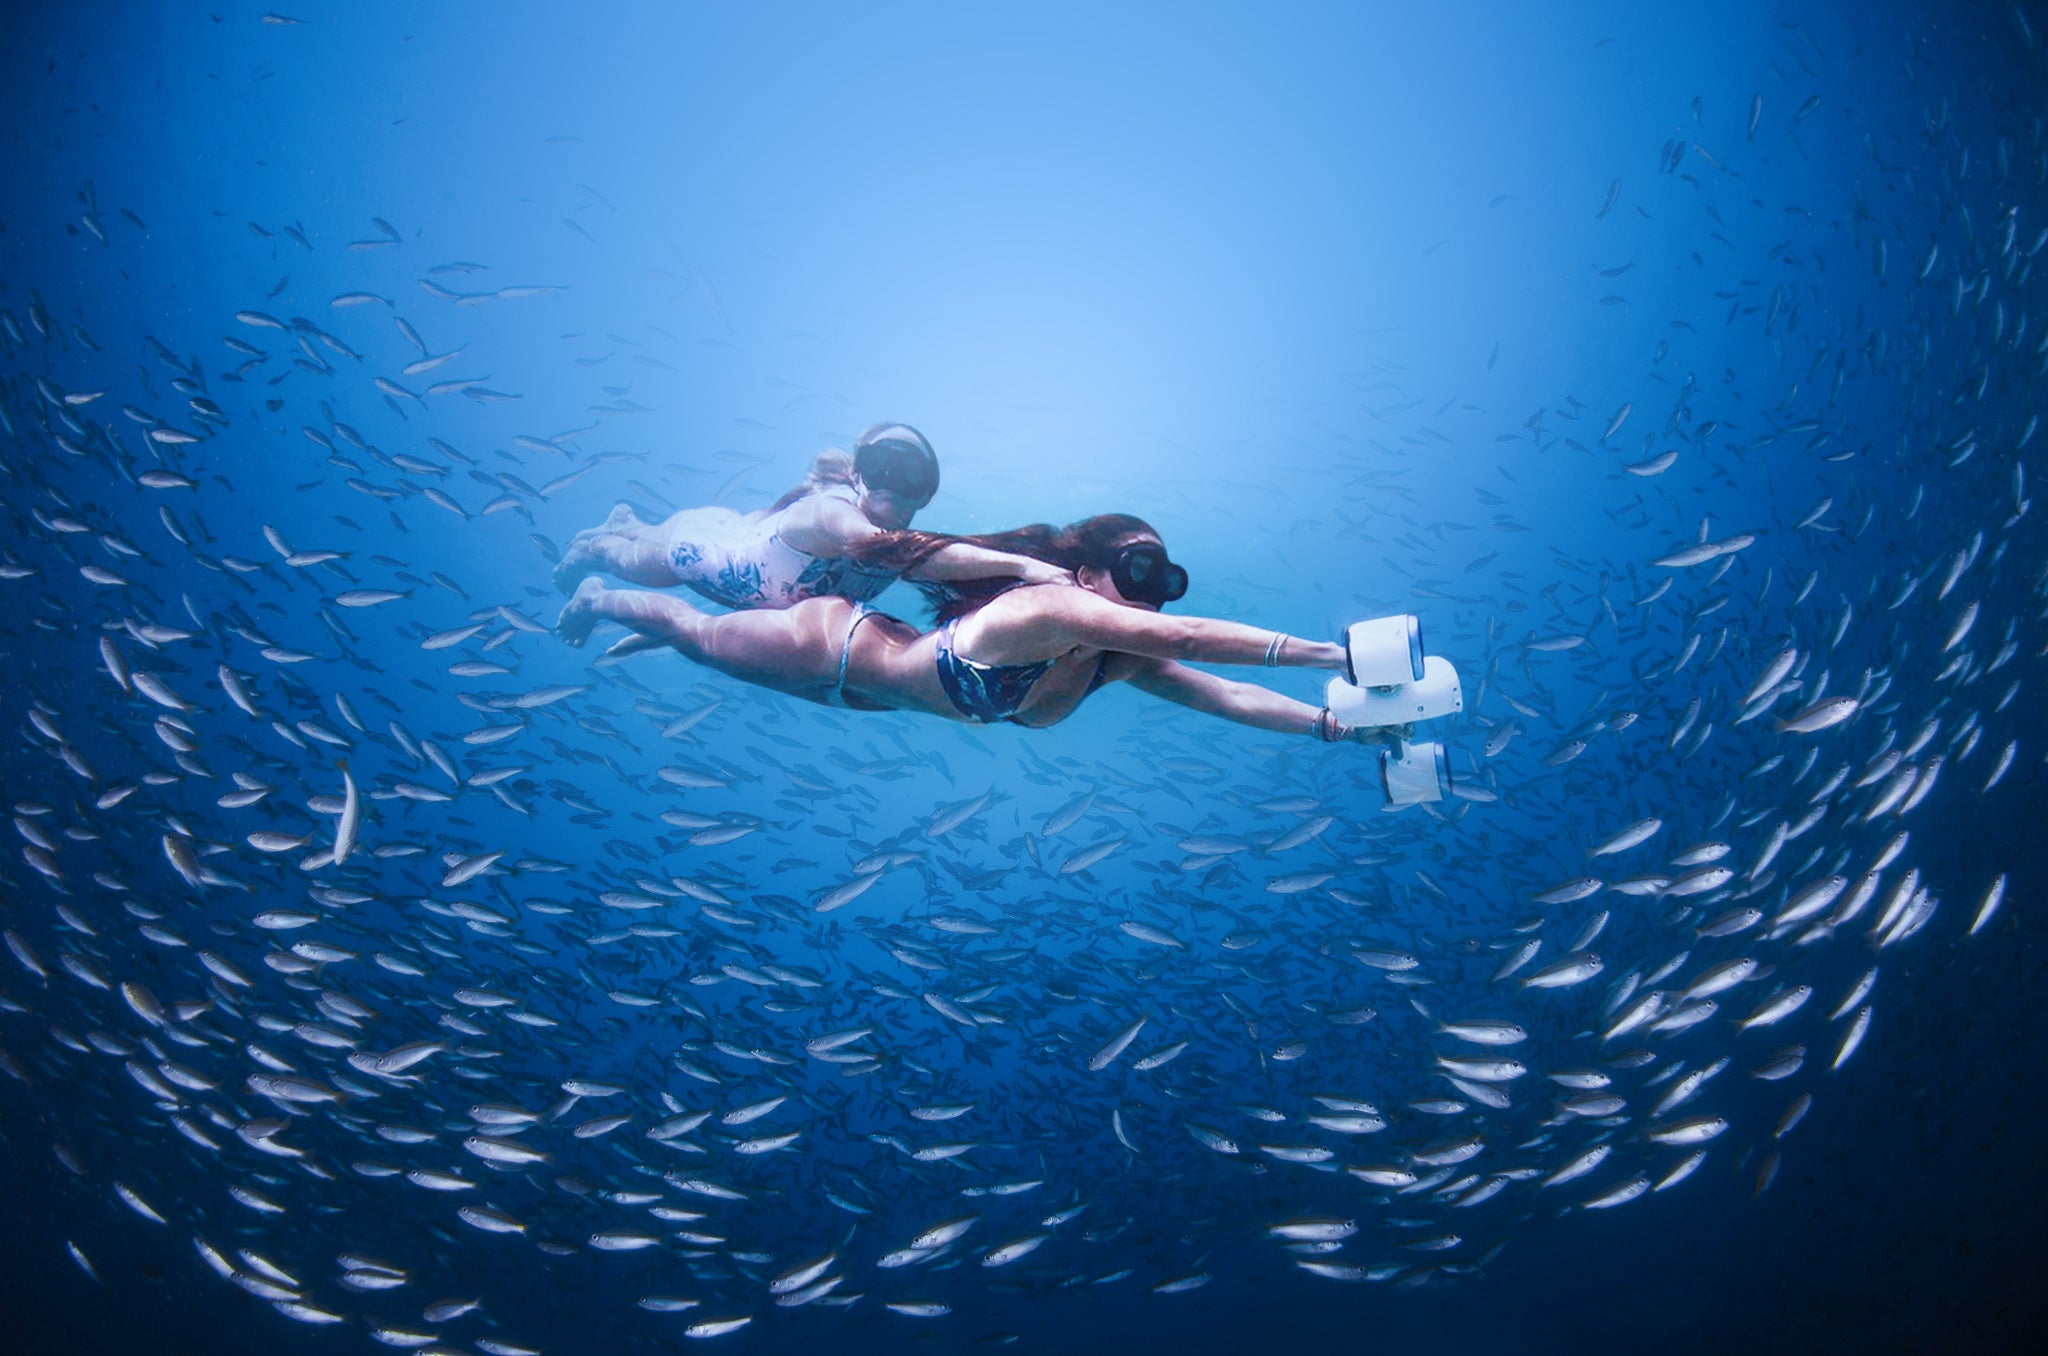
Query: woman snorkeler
(807, 544)
(1039, 649)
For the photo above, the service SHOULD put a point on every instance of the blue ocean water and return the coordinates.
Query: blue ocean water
(1369, 311)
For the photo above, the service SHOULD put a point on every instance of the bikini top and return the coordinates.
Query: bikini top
(986, 693)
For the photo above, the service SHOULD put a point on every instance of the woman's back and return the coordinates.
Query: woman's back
(748, 560)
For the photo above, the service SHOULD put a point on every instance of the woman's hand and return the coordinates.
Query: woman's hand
(1042, 572)
(1327, 728)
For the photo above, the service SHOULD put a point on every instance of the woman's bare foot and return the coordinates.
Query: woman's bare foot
(586, 554)
(580, 614)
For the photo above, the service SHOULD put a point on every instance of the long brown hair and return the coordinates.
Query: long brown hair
(1092, 541)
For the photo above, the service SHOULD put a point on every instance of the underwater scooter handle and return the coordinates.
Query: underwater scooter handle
(1436, 692)
(1411, 772)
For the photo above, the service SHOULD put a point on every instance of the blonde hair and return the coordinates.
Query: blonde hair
(833, 466)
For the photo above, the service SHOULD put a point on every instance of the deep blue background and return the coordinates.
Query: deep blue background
(1236, 273)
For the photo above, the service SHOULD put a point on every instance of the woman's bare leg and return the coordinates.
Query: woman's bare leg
(793, 650)
(623, 547)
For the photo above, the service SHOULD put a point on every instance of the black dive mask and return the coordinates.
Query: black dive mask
(897, 467)
(1143, 574)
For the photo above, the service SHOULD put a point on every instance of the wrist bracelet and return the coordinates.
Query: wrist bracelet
(1273, 649)
(1325, 727)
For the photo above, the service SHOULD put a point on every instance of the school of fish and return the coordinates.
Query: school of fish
(361, 934)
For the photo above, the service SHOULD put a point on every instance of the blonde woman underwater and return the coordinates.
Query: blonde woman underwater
(817, 541)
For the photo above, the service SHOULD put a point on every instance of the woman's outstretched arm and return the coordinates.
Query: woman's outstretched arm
(964, 560)
(1245, 703)
(1078, 617)
(835, 528)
